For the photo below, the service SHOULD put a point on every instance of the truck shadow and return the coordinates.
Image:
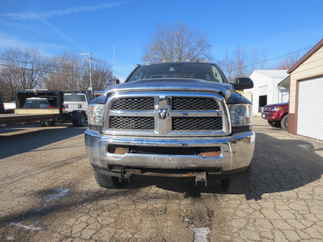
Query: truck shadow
(16, 144)
(279, 165)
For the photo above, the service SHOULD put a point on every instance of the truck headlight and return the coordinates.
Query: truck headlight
(276, 108)
(95, 114)
(240, 114)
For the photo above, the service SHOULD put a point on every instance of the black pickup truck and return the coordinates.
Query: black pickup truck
(178, 119)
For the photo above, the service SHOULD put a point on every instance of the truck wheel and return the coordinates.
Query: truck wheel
(284, 122)
(79, 119)
(83, 119)
(107, 181)
(272, 123)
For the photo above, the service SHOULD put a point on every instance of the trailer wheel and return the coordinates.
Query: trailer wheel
(47, 123)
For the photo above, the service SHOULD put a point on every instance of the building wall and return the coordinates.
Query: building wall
(260, 88)
(312, 67)
(264, 85)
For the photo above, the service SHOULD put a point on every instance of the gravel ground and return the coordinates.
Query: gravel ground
(48, 193)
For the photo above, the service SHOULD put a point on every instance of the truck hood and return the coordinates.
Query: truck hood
(171, 84)
(277, 104)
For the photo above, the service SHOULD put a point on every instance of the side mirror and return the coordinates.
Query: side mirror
(242, 83)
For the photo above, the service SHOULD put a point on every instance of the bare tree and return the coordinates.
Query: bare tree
(21, 69)
(177, 44)
(65, 73)
(71, 72)
(27, 69)
(227, 65)
(288, 62)
(234, 64)
(102, 74)
(258, 59)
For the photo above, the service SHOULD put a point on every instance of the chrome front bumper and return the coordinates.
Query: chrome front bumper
(236, 152)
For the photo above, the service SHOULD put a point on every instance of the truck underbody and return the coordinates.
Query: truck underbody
(200, 157)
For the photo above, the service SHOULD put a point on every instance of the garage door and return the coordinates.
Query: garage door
(310, 108)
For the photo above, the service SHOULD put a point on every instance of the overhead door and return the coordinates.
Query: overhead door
(310, 108)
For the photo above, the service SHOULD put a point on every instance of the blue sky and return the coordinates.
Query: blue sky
(118, 31)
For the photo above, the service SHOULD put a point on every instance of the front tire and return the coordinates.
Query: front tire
(274, 124)
(284, 122)
(79, 119)
(271, 123)
(107, 181)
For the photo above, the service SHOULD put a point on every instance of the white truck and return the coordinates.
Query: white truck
(75, 106)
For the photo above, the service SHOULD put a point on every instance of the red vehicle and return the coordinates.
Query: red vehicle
(276, 115)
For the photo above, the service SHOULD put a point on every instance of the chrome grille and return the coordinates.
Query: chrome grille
(194, 103)
(131, 122)
(135, 103)
(197, 123)
(166, 114)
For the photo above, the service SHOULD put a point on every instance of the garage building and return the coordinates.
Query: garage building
(267, 89)
(306, 94)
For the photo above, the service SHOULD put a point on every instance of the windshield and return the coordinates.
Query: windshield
(74, 98)
(36, 103)
(202, 71)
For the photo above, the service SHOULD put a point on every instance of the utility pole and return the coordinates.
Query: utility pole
(89, 57)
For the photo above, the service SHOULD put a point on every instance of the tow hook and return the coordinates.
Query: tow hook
(200, 178)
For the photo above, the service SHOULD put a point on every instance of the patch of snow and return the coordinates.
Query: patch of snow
(27, 227)
(200, 234)
(59, 193)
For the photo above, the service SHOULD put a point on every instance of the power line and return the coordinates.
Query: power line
(277, 57)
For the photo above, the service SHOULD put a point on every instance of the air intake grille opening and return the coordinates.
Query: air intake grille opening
(135, 103)
(194, 103)
(131, 122)
(197, 123)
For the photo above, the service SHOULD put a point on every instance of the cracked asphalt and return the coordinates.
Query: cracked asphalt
(48, 193)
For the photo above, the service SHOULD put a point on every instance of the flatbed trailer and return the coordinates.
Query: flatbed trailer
(23, 115)
(12, 118)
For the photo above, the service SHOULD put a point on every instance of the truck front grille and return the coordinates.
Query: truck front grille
(194, 103)
(135, 103)
(197, 123)
(131, 122)
(171, 113)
